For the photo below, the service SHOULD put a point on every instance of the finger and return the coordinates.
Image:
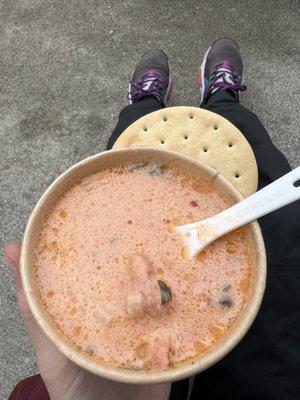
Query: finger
(12, 254)
(46, 352)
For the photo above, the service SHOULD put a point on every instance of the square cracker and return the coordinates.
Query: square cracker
(201, 134)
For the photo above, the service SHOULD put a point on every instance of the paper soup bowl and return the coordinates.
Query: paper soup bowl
(110, 159)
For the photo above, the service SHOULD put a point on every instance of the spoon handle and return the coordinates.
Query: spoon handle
(279, 193)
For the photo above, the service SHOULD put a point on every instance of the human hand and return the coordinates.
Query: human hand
(64, 379)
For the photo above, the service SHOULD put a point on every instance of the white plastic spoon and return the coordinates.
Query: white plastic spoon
(279, 193)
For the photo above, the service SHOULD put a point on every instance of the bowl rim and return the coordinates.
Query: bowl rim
(121, 374)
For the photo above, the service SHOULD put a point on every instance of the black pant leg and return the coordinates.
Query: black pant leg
(132, 113)
(265, 365)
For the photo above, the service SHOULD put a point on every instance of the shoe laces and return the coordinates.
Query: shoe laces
(223, 77)
(149, 84)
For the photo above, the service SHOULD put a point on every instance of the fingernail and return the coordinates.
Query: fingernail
(11, 263)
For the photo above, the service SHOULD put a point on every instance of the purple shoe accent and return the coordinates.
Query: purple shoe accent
(224, 78)
(149, 84)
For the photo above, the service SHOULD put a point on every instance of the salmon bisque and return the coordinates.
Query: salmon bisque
(111, 275)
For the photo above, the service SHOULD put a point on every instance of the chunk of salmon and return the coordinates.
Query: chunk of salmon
(144, 295)
(137, 271)
(135, 304)
(159, 353)
(152, 295)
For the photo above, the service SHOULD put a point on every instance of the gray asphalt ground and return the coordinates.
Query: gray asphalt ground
(63, 80)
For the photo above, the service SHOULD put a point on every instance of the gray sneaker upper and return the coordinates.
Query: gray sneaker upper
(151, 77)
(156, 60)
(220, 50)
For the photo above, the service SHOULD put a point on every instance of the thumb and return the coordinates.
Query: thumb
(12, 255)
(52, 364)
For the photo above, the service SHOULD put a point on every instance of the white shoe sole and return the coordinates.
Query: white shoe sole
(201, 83)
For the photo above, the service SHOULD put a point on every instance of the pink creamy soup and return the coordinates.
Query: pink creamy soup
(111, 276)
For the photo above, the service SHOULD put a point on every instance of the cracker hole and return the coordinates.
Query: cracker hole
(162, 141)
(145, 129)
(215, 127)
(297, 183)
(165, 119)
(185, 137)
(230, 145)
(191, 116)
(237, 176)
(205, 149)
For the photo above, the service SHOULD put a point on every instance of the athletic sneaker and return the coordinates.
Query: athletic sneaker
(221, 69)
(151, 78)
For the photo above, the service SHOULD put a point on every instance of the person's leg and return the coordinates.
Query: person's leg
(265, 365)
(271, 164)
(149, 93)
(220, 79)
(149, 90)
(132, 113)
